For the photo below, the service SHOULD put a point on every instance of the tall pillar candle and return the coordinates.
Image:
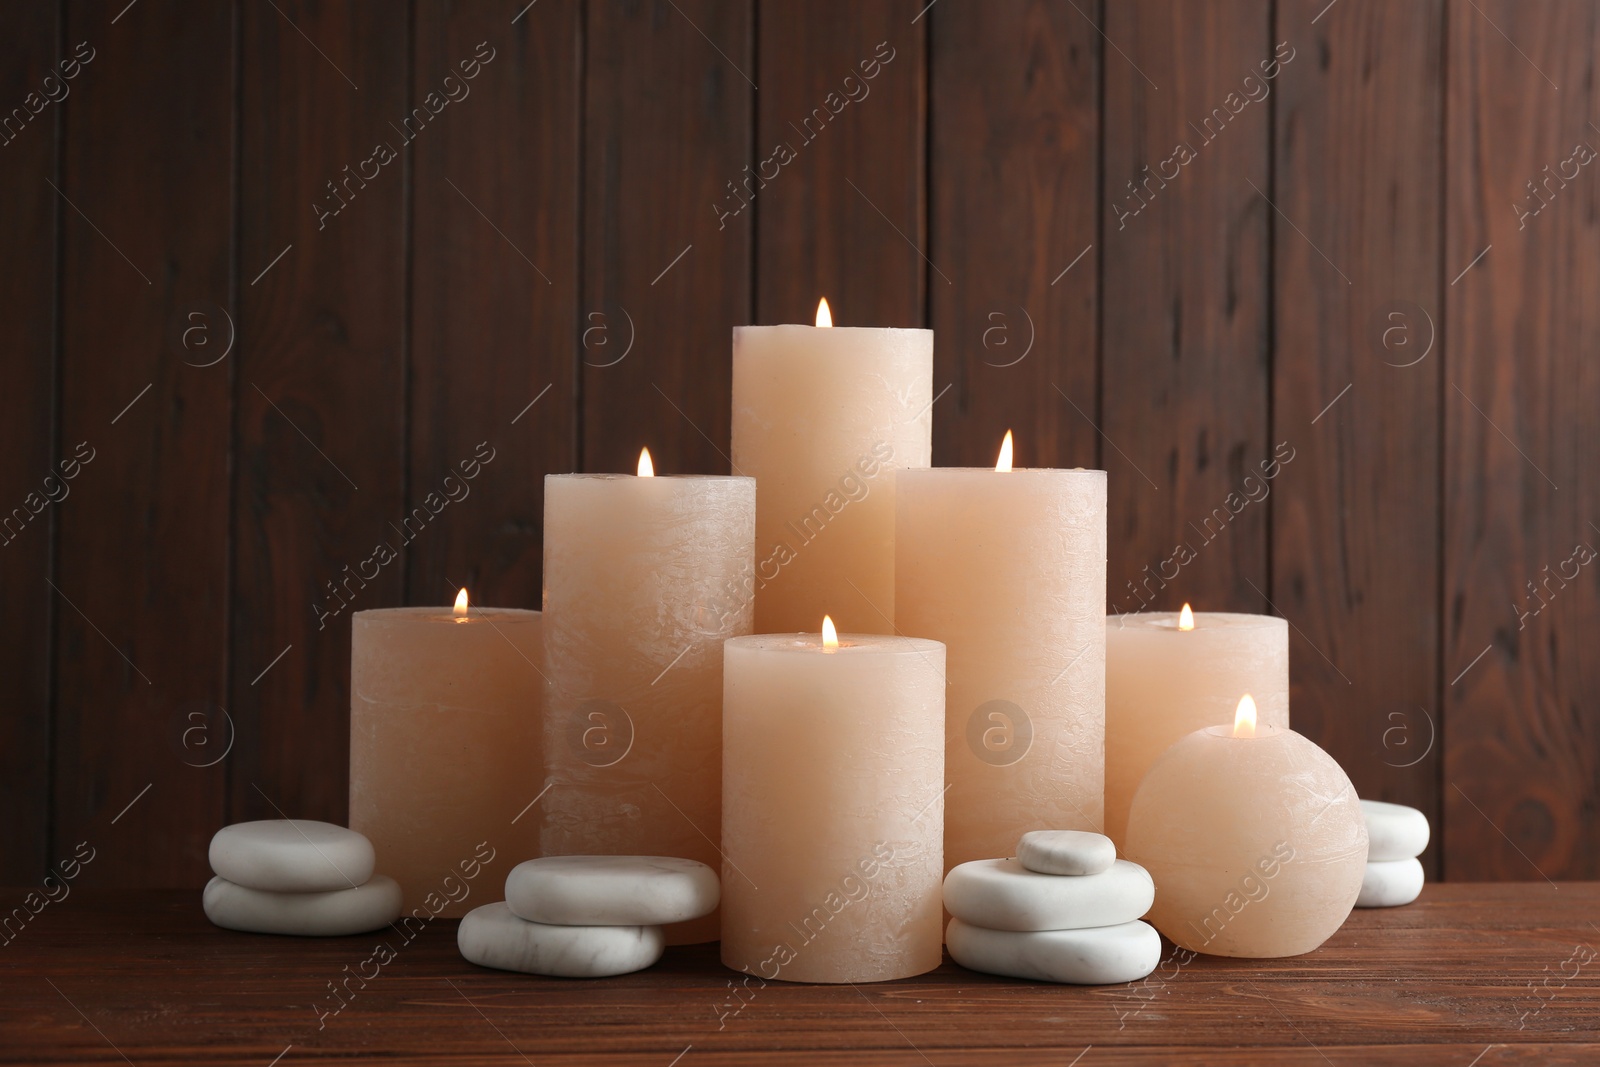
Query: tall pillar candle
(1008, 569)
(832, 807)
(822, 416)
(1169, 674)
(445, 747)
(645, 578)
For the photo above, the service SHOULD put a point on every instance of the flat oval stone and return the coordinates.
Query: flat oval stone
(370, 906)
(1070, 852)
(1394, 831)
(612, 890)
(1390, 883)
(491, 936)
(1005, 895)
(291, 856)
(1101, 955)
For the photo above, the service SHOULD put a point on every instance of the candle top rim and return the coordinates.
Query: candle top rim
(840, 330)
(425, 612)
(602, 476)
(849, 644)
(916, 471)
(1203, 620)
(1262, 729)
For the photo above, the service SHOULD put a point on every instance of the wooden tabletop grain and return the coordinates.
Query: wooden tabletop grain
(1470, 976)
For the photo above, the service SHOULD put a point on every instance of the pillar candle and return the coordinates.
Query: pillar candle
(1164, 681)
(444, 747)
(645, 578)
(1008, 569)
(822, 416)
(1254, 837)
(832, 807)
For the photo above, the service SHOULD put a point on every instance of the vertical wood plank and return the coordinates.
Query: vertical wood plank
(1015, 111)
(1184, 317)
(494, 291)
(1356, 375)
(667, 126)
(29, 215)
(843, 213)
(320, 485)
(1522, 763)
(142, 569)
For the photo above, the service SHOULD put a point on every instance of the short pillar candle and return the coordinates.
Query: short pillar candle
(832, 824)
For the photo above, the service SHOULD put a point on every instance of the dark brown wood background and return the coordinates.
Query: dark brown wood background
(1340, 270)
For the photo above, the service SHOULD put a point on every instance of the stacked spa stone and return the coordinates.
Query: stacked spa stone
(1064, 910)
(1396, 836)
(587, 916)
(297, 876)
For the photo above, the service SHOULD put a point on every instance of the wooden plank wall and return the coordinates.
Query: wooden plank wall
(279, 290)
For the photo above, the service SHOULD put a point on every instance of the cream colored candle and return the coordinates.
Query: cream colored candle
(1164, 681)
(444, 748)
(645, 578)
(1254, 837)
(832, 807)
(1008, 569)
(821, 418)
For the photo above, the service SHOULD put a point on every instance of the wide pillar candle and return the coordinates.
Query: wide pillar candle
(1008, 569)
(1164, 682)
(445, 748)
(644, 580)
(821, 418)
(832, 807)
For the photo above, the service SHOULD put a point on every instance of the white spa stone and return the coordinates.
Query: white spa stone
(491, 936)
(370, 906)
(1390, 883)
(1100, 955)
(1070, 852)
(612, 890)
(1004, 895)
(291, 856)
(1394, 831)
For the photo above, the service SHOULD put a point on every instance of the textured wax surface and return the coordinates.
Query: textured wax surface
(444, 748)
(1163, 684)
(1257, 844)
(820, 418)
(833, 776)
(1009, 571)
(644, 580)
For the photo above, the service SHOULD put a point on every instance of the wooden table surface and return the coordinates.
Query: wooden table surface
(1469, 976)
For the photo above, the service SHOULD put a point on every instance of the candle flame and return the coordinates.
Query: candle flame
(461, 603)
(646, 468)
(1244, 720)
(824, 315)
(1003, 465)
(1186, 618)
(830, 636)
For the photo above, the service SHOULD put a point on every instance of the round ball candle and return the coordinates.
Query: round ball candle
(1170, 673)
(1254, 837)
(444, 746)
(644, 578)
(821, 418)
(1008, 568)
(832, 806)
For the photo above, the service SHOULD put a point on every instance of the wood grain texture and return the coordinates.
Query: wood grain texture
(321, 412)
(844, 218)
(493, 293)
(1522, 767)
(667, 125)
(1185, 303)
(1014, 183)
(29, 220)
(1456, 979)
(1355, 515)
(142, 571)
